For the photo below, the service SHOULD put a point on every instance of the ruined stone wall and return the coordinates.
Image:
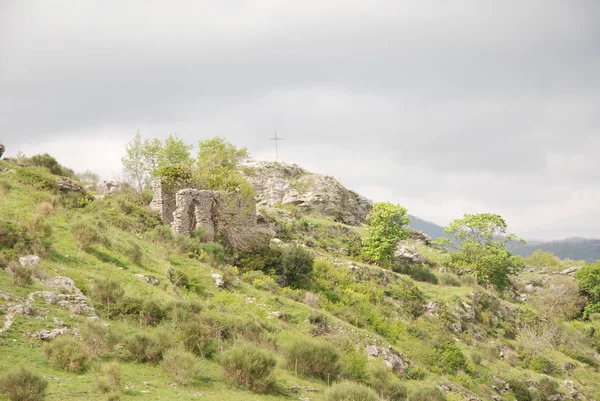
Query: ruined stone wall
(187, 209)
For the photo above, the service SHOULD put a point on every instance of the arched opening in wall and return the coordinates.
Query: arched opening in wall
(192, 216)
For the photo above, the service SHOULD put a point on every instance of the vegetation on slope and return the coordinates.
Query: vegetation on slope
(305, 318)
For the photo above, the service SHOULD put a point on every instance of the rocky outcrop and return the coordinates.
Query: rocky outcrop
(108, 187)
(406, 253)
(420, 236)
(288, 184)
(68, 185)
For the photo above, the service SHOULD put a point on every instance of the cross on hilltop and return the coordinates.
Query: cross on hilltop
(276, 139)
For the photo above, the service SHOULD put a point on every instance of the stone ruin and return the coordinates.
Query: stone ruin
(186, 209)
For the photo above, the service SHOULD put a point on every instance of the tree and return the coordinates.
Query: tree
(560, 300)
(174, 151)
(588, 279)
(144, 159)
(134, 162)
(482, 242)
(219, 162)
(386, 225)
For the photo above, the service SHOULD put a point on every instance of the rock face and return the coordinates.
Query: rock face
(288, 184)
(67, 185)
(406, 253)
(108, 187)
(420, 236)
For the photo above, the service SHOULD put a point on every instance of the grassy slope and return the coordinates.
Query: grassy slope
(361, 296)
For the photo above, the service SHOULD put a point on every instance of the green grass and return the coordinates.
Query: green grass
(361, 307)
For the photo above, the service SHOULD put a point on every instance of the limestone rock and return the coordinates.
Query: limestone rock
(46, 335)
(219, 282)
(570, 271)
(68, 185)
(288, 184)
(420, 236)
(148, 279)
(406, 253)
(108, 187)
(372, 350)
(31, 260)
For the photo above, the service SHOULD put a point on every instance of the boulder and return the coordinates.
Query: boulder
(30, 260)
(68, 185)
(288, 184)
(406, 253)
(108, 187)
(148, 279)
(420, 236)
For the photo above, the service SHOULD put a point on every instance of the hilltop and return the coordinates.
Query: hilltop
(93, 284)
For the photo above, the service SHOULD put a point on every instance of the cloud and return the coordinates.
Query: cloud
(446, 107)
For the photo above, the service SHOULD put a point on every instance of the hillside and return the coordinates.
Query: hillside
(108, 288)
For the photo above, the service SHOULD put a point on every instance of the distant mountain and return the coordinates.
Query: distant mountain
(429, 228)
(569, 248)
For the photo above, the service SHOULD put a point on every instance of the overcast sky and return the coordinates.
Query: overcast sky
(446, 107)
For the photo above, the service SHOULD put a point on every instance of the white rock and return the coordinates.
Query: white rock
(31, 260)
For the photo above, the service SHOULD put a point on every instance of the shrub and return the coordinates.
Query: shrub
(314, 357)
(68, 353)
(197, 337)
(417, 272)
(415, 373)
(151, 312)
(38, 178)
(98, 337)
(180, 365)
(520, 391)
(162, 234)
(354, 367)
(22, 276)
(548, 388)
(349, 391)
(4, 187)
(23, 385)
(45, 209)
(134, 252)
(107, 291)
(179, 279)
(386, 384)
(149, 347)
(86, 234)
(449, 279)
(13, 236)
(260, 280)
(297, 267)
(108, 380)
(541, 364)
(48, 162)
(39, 231)
(249, 366)
(215, 251)
(450, 359)
(431, 394)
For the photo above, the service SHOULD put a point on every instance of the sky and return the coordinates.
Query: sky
(446, 107)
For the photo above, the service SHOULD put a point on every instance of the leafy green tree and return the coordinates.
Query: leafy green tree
(482, 242)
(134, 163)
(219, 162)
(588, 278)
(174, 152)
(386, 225)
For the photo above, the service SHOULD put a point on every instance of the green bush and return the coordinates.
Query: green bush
(13, 236)
(23, 385)
(108, 380)
(449, 279)
(541, 364)
(520, 391)
(179, 279)
(431, 394)
(249, 366)
(151, 312)
(161, 234)
(350, 391)
(108, 292)
(198, 337)
(22, 276)
(98, 337)
(296, 267)
(86, 234)
(354, 367)
(415, 373)
(215, 252)
(38, 178)
(68, 353)
(149, 347)
(417, 272)
(180, 365)
(314, 357)
(450, 359)
(134, 252)
(385, 383)
(548, 388)
(48, 162)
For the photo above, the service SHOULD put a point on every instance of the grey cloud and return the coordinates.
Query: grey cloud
(473, 104)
